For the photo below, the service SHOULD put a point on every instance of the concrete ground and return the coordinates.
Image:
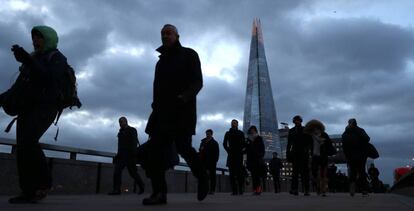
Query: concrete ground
(220, 201)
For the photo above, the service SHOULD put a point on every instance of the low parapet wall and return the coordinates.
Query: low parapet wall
(85, 177)
(405, 186)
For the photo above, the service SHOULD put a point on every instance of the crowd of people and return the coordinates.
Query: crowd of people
(46, 85)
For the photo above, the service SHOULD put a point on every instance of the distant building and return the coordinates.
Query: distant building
(339, 158)
(259, 107)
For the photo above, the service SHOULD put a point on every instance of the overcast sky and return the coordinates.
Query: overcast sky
(329, 60)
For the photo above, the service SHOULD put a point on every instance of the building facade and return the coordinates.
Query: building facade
(259, 107)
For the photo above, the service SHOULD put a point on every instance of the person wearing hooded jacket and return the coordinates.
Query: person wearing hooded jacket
(41, 70)
(320, 151)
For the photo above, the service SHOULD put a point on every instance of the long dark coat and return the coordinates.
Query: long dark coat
(299, 144)
(255, 151)
(235, 145)
(177, 73)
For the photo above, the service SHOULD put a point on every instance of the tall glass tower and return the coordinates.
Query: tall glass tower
(259, 107)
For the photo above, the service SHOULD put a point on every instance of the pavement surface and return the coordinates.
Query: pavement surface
(220, 201)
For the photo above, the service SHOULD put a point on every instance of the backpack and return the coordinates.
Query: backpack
(67, 90)
(66, 87)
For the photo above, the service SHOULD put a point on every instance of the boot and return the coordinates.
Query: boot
(203, 186)
(155, 199)
(352, 189)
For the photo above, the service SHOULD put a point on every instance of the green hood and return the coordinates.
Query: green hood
(50, 36)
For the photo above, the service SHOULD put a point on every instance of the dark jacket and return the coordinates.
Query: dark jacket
(127, 141)
(325, 147)
(354, 143)
(209, 152)
(275, 165)
(37, 83)
(177, 73)
(299, 143)
(234, 144)
(255, 151)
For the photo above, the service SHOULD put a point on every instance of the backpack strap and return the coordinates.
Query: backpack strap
(56, 122)
(9, 126)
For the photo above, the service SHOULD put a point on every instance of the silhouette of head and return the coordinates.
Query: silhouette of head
(44, 38)
(234, 124)
(123, 122)
(274, 154)
(297, 120)
(169, 35)
(252, 130)
(209, 133)
(352, 122)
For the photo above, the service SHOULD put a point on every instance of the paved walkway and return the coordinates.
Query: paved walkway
(221, 201)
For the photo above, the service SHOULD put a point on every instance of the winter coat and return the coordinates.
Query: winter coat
(255, 151)
(177, 73)
(42, 75)
(354, 143)
(127, 142)
(234, 144)
(275, 165)
(209, 152)
(299, 144)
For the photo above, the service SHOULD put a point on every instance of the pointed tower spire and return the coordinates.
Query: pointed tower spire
(259, 108)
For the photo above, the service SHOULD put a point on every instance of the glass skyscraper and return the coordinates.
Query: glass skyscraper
(259, 107)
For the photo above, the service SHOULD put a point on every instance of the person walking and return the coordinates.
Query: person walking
(275, 165)
(321, 149)
(178, 80)
(126, 157)
(354, 142)
(298, 152)
(209, 155)
(235, 146)
(38, 99)
(255, 151)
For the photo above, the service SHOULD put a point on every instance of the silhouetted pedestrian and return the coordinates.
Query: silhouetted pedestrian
(297, 152)
(209, 155)
(321, 149)
(275, 165)
(126, 157)
(255, 151)
(376, 184)
(35, 99)
(177, 81)
(234, 144)
(355, 140)
(332, 178)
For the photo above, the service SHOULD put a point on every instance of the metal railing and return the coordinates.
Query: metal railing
(73, 152)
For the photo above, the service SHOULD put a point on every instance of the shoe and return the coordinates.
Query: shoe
(155, 199)
(306, 194)
(323, 195)
(234, 194)
(114, 192)
(211, 193)
(292, 192)
(365, 193)
(22, 199)
(141, 187)
(352, 189)
(202, 188)
(41, 194)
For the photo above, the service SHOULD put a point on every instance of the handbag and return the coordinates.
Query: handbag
(372, 151)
